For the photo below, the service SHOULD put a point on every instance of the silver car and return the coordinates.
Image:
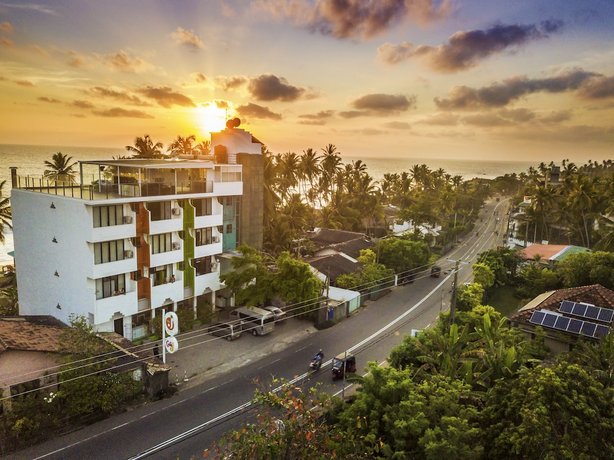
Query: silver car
(278, 313)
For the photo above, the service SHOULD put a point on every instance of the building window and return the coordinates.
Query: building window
(202, 266)
(160, 210)
(160, 243)
(106, 216)
(203, 207)
(109, 251)
(162, 275)
(110, 286)
(228, 228)
(203, 236)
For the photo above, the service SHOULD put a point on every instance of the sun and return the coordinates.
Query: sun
(210, 117)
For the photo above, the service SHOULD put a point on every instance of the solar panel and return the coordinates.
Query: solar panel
(579, 309)
(566, 306)
(574, 326)
(561, 323)
(592, 312)
(549, 320)
(601, 330)
(585, 310)
(537, 317)
(606, 315)
(588, 328)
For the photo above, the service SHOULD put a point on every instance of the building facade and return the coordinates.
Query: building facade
(134, 238)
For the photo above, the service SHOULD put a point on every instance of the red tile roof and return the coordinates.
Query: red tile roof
(594, 294)
(20, 334)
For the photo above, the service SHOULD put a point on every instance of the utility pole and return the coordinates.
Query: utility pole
(457, 264)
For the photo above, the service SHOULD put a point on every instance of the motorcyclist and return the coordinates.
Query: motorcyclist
(319, 356)
(316, 361)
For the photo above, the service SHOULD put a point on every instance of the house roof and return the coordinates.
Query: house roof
(353, 247)
(594, 294)
(30, 334)
(328, 236)
(552, 252)
(334, 265)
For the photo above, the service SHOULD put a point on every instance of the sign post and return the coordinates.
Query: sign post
(170, 327)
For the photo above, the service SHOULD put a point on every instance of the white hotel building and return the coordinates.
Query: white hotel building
(135, 236)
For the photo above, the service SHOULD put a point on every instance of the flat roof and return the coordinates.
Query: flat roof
(152, 163)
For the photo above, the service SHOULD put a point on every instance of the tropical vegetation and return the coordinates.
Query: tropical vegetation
(60, 168)
(5, 212)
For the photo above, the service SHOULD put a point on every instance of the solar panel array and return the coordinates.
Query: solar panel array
(564, 323)
(585, 310)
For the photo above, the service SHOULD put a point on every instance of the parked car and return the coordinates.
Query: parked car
(279, 314)
(435, 271)
(227, 330)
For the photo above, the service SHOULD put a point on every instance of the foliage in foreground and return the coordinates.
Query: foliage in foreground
(475, 390)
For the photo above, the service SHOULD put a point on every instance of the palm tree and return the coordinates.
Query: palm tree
(310, 167)
(60, 168)
(5, 212)
(182, 146)
(203, 148)
(144, 147)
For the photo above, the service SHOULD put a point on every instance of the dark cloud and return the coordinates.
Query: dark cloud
(200, 77)
(124, 62)
(118, 112)
(49, 100)
(466, 49)
(257, 111)
(516, 117)
(187, 38)
(441, 119)
(556, 117)
(121, 96)
(221, 104)
(397, 125)
(319, 118)
(599, 87)
(81, 104)
(25, 83)
(354, 18)
(380, 105)
(501, 94)
(486, 120)
(232, 82)
(166, 97)
(273, 88)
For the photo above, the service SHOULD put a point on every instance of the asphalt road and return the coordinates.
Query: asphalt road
(184, 425)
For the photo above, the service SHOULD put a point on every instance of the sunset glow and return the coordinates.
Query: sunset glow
(211, 118)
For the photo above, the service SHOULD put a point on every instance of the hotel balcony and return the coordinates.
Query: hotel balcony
(227, 188)
(206, 281)
(125, 303)
(170, 257)
(209, 221)
(214, 248)
(174, 224)
(126, 265)
(170, 291)
(114, 232)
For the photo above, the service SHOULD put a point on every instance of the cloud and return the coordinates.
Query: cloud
(187, 38)
(76, 60)
(319, 118)
(121, 96)
(6, 27)
(6, 42)
(354, 18)
(501, 94)
(118, 112)
(397, 125)
(516, 117)
(25, 83)
(441, 119)
(466, 49)
(166, 97)
(273, 88)
(380, 105)
(49, 100)
(124, 62)
(82, 104)
(31, 7)
(257, 111)
(199, 77)
(599, 87)
(231, 82)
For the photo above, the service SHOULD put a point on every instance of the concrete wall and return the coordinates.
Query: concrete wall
(251, 214)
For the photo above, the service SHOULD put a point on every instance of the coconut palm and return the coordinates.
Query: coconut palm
(182, 146)
(60, 168)
(203, 148)
(5, 212)
(144, 147)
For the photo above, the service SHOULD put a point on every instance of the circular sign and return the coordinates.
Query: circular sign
(171, 345)
(171, 323)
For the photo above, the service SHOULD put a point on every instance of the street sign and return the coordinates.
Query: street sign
(171, 345)
(171, 323)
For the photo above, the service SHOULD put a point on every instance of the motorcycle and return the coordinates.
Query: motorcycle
(316, 363)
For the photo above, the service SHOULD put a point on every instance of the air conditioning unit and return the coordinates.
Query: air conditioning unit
(127, 219)
(176, 246)
(216, 239)
(176, 211)
(128, 254)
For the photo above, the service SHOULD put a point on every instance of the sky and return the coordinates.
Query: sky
(461, 79)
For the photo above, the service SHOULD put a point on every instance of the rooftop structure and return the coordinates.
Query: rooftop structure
(550, 252)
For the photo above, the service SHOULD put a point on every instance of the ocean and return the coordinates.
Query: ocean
(29, 159)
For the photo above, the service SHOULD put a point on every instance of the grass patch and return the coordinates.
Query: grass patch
(503, 300)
